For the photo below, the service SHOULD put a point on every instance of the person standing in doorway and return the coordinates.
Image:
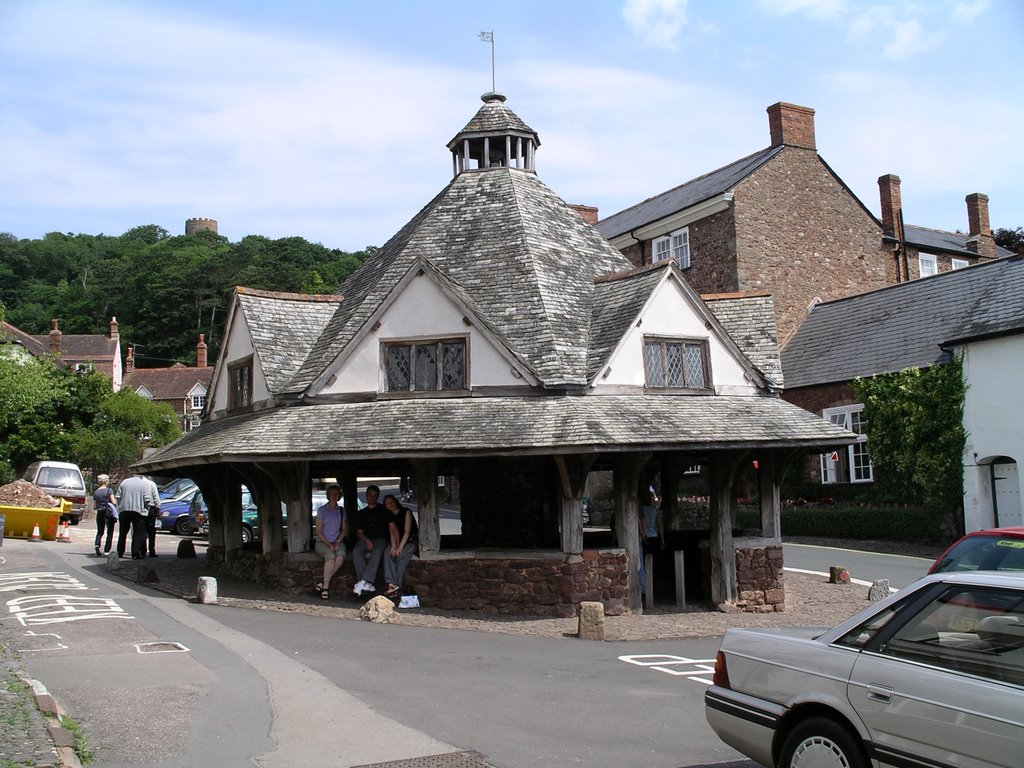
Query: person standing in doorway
(106, 513)
(135, 497)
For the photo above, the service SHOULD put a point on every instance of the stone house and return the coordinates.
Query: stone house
(976, 312)
(182, 387)
(499, 340)
(80, 352)
(781, 220)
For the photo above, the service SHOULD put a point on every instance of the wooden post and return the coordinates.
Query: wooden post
(424, 472)
(768, 489)
(626, 474)
(294, 486)
(722, 472)
(269, 500)
(572, 475)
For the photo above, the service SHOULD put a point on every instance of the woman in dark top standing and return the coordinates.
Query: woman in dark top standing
(106, 513)
(403, 529)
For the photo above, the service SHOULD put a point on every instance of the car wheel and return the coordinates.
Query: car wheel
(821, 743)
(246, 534)
(182, 527)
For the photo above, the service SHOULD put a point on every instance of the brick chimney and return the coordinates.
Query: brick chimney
(980, 238)
(55, 335)
(201, 352)
(114, 333)
(587, 212)
(129, 361)
(892, 204)
(791, 125)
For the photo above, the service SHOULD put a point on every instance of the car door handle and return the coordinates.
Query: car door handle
(879, 693)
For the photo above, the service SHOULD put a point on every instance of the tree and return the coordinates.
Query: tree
(1011, 239)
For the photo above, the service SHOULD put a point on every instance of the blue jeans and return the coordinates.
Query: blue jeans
(394, 567)
(367, 563)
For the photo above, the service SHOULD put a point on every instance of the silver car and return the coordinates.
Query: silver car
(931, 677)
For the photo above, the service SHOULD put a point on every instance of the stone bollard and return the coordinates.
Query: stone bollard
(879, 590)
(113, 562)
(591, 620)
(379, 610)
(186, 549)
(838, 575)
(146, 575)
(206, 591)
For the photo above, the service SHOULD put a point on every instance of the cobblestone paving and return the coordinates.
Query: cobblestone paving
(24, 740)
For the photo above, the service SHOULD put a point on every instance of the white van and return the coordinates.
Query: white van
(61, 480)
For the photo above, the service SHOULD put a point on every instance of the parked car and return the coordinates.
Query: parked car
(930, 676)
(61, 480)
(178, 489)
(199, 515)
(175, 500)
(994, 549)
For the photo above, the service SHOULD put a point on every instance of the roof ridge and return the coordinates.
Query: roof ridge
(287, 295)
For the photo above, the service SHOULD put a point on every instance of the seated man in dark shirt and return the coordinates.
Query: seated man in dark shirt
(370, 527)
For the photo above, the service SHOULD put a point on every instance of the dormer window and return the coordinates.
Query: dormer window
(198, 401)
(676, 363)
(240, 385)
(673, 246)
(83, 368)
(425, 366)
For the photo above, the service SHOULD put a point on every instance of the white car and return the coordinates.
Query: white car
(931, 677)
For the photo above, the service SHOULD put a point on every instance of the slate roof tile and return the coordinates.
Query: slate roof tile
(174, 383)
(750, 320)
(905, 325)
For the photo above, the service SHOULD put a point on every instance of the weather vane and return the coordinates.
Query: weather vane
(488, 37)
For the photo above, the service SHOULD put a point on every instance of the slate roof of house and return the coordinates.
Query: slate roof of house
(83, 346)
(174, 383)
(468, 426)
(905, 325)
(618, 300)
(525, 259)
(940, 240)
(749, 318)
(31, 343)
(283, 328)
(685, 195)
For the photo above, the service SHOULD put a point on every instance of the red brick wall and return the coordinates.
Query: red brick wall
(802, 235)
(713, 254)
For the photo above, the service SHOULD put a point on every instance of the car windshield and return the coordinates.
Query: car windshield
(58, 477)
(984, 553)
(176, 486)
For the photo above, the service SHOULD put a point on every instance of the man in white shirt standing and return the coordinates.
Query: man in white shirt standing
(135, 497)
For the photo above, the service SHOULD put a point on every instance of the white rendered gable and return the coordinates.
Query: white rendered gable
(238, 347)
(421, 310)
(670, 313)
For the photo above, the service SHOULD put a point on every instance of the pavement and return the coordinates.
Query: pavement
(30, 727)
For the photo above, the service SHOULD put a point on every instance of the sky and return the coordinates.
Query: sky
(329, 120)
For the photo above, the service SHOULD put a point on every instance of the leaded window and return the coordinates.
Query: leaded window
(240, 385)
(425, 366)
(676, 363)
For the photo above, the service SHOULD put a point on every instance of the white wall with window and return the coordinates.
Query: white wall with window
(670, 315)
(675, 245)
(850, 464)
(238, 351)
(927, 264)
(423, 330)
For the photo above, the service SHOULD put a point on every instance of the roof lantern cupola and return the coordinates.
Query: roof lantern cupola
(494, 138)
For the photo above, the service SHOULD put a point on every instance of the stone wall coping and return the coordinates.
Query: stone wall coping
(756, 541)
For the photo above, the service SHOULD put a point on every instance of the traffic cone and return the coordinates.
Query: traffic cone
(35, 534)
(64, 534)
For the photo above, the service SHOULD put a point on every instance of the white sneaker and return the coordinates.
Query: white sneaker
(359, 587)
(368, 587)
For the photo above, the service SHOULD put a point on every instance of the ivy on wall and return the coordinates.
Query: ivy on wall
(916, 435)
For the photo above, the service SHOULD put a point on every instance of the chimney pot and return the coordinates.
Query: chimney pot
(892, 203)
(114, 334)
(55, 335)
(201, 352)
(791, 125)
(129, 361)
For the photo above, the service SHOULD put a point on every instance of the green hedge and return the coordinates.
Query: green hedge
(920, 526)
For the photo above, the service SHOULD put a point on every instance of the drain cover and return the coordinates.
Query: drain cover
(161, 646)
(447, 760)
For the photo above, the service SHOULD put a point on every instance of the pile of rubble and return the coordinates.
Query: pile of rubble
(22, 493)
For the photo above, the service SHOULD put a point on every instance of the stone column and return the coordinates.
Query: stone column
(424, 472)
(572, 475)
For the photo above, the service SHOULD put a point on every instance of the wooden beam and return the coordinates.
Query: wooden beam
(572, 476)
(722, 468)
(424, 472)
(626, 469)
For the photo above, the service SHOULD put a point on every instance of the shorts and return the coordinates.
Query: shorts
(327, 553)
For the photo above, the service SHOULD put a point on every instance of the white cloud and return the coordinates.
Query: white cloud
(965, 13)
(908, 38)
(656, 22)
(816, 9)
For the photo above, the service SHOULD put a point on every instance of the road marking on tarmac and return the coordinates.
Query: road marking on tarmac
(698, 670)
(35, 610)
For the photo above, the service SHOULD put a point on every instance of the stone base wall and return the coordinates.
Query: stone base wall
(550, 586)
(759, 579)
